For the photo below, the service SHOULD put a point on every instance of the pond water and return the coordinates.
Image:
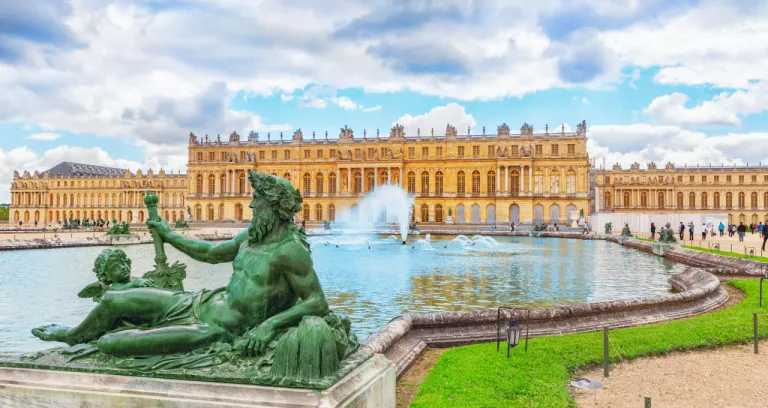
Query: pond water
(370, 279)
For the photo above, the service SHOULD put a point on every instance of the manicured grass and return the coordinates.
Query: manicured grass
(646, 239)
(478, 376)
(731, 254)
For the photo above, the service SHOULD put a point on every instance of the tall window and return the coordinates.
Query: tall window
(491, 179)
(439, 183)
(554, 182)
(644, 199)
(424, 213)
(222, 183)
(318, 212)
(515, 180)
(692, 200)
(331, 212)
(626, 198)
(319, 184)
(555, 149)
(742, 200)
(307, 184)
(384, 177)
(424, 183)
(679, 200)
(210, 212)
(754, 200)
(475, 182)
(211, 184)
(717, 200)
(475, 151)
(331, 185)
(439, 213)
(305, 212)
(411, 182)
(370, 181)
(460, 151)
(538, 182)
(765, 200)
(425, 152)
(358, 188)
(661, 203)
(198, 184)
(607, 200)
(570, 182)
(704, 200)
(461, 183)
(728, 200)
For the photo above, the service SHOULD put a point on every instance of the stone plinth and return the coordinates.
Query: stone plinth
(372, 385)
(449, 219)
(661, 249)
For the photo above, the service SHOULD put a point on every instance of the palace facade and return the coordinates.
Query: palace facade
(460, 178)
(80, 191)
(739, 191)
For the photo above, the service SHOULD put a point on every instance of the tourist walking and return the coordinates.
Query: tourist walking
(721, 227)
(741, 230)
(512, 226)
(690, 230)
(653, 231)
(682, 230)
(704, 231)
(765, 233)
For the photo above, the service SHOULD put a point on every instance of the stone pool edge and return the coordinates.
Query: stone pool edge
(406, 336)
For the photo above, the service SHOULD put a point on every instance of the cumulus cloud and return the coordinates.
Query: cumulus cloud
(644, 143)
(437, 118)
(726, 108)
(319, 96)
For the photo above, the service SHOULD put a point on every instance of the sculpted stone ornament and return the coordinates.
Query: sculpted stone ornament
(625, 232)
(270, 325)
(608, 228)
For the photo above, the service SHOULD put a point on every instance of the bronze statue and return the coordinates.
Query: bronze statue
(113, 272)
(272, 312)
(609, 228)
(667, 235)
(625, 232)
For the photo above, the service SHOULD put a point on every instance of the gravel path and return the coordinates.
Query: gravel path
(727, 377)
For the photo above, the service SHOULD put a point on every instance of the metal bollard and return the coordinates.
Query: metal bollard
(757, 340)
(647, 402)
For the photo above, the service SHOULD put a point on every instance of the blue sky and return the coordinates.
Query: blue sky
(123, 82)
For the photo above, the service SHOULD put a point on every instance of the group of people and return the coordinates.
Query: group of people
(741, 230)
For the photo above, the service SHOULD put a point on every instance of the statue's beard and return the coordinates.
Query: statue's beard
(261, 224)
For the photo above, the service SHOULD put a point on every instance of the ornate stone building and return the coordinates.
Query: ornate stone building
(79, 191)
(481, 178)
(741, 191)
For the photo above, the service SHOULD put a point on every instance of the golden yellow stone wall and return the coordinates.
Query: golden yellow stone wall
(741, 192)
(50, 199)
(500, 172)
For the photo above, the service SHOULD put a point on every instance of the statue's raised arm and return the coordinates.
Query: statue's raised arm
(199, 250)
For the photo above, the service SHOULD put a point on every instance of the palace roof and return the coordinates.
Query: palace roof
(66, 169)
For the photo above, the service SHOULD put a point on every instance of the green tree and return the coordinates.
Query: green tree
(4, 213)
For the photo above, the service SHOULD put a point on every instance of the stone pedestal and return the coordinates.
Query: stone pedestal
(661, 249)
(372, 385)
(449, 220)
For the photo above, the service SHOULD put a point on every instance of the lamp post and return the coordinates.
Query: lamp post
(512, 331)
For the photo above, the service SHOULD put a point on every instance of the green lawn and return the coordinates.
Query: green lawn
(4, 214)
(731, 254)
(478, 376)
(646, 239)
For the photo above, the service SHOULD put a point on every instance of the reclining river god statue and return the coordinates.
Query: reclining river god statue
(271, 324)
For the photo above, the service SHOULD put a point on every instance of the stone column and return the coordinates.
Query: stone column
(375, 177)
(349, 180)
(402, 176)
(389, 175)
(530, 179)
(498, 179)
(506, 180)
(522, 179)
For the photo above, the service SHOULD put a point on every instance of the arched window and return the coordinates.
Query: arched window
(210, 212)
(704, 200)
(679, 200)
(644, 199)
(305, 213)
(211, 184)
(307, 184)
(514, 178)
(728, 200)
(238, 212)
(538, 182)
(424, 213)
(439, 184)
(199, 184)
(241, 183)
(424, 183)
(411, 182)
(370, 181)
(319, 184)
(661, 202)
(223, 183)
(607, 200)
(754, 200)
(461, 183)
(384, 178)
(692, 200)
(358, 179)
(438, 213)
(716, 202)
(765, 201)
(554, 182)
(221, 212)
(318, 212)
(491, 179)
(332, 184)
(742, 200)
(331, 212)
(626, 199)
(475, 182)
(198, 213)
(570, 182)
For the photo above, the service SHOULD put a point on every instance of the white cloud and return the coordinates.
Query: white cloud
(44, 136)
(724, 109)
(660, 144)
(438, 118)
(286, 97)
(372, 109)
(584, 100)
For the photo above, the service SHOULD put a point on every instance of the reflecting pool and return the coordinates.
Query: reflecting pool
(371, 279)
